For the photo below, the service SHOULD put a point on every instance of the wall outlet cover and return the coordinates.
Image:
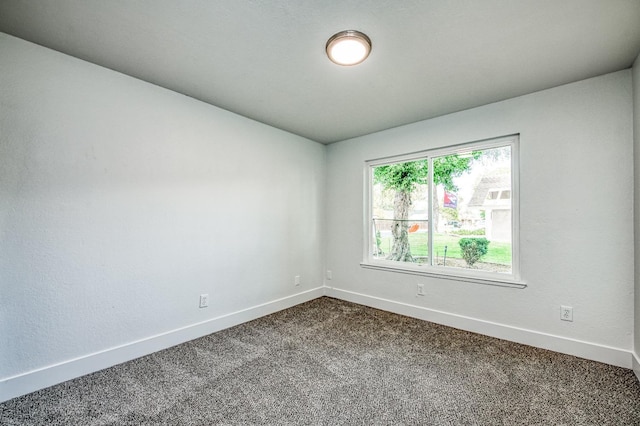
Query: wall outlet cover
(204, 300)
(566, 313)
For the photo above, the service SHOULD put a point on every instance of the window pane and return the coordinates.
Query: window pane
(400, 210)
(475, 231)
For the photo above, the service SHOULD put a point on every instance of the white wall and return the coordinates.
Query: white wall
(122, 202)
(636, 156)
(576, 223)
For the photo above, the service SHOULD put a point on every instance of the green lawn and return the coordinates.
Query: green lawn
(498, 252)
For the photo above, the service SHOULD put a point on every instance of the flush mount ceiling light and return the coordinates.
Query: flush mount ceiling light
(348, 47)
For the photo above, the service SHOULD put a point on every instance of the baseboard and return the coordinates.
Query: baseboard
(31, 381)
(592, 351)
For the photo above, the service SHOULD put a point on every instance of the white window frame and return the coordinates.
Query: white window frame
(468, 275)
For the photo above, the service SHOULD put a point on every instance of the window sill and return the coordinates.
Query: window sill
(440, 273)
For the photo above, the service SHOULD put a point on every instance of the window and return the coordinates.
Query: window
(449, 212)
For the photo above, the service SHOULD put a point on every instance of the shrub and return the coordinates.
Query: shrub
(473, 249)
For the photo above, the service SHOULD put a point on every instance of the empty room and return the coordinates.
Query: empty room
(295, 212)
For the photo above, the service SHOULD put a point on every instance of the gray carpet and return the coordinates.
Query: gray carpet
(330, 362)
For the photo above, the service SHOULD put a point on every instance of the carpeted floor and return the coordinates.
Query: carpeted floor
(330, 362)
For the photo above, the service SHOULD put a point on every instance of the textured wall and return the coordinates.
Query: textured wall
(121, 202)
(576, 224)
(636, 156)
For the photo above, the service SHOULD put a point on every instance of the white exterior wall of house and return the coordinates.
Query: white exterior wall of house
(499, 226)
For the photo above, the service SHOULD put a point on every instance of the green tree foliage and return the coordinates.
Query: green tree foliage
(449, 167)
(449, 213)
(402, 176)
(473, 249)
(405, 176)
(403, 179)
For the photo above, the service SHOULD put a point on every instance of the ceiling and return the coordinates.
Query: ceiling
(265, 59)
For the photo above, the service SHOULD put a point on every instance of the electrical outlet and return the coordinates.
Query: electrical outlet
(329, 274)
(566, 313)
(296, 280)
(204, 300)
(420, 290)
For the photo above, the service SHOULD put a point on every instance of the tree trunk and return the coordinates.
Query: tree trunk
(400, 250)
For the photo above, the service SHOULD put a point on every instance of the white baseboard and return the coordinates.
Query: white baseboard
(31, 381)
(592, 351)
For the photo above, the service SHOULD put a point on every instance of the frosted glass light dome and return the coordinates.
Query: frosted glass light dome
(348, 47)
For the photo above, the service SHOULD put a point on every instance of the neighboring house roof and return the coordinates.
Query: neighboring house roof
(494, 180)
